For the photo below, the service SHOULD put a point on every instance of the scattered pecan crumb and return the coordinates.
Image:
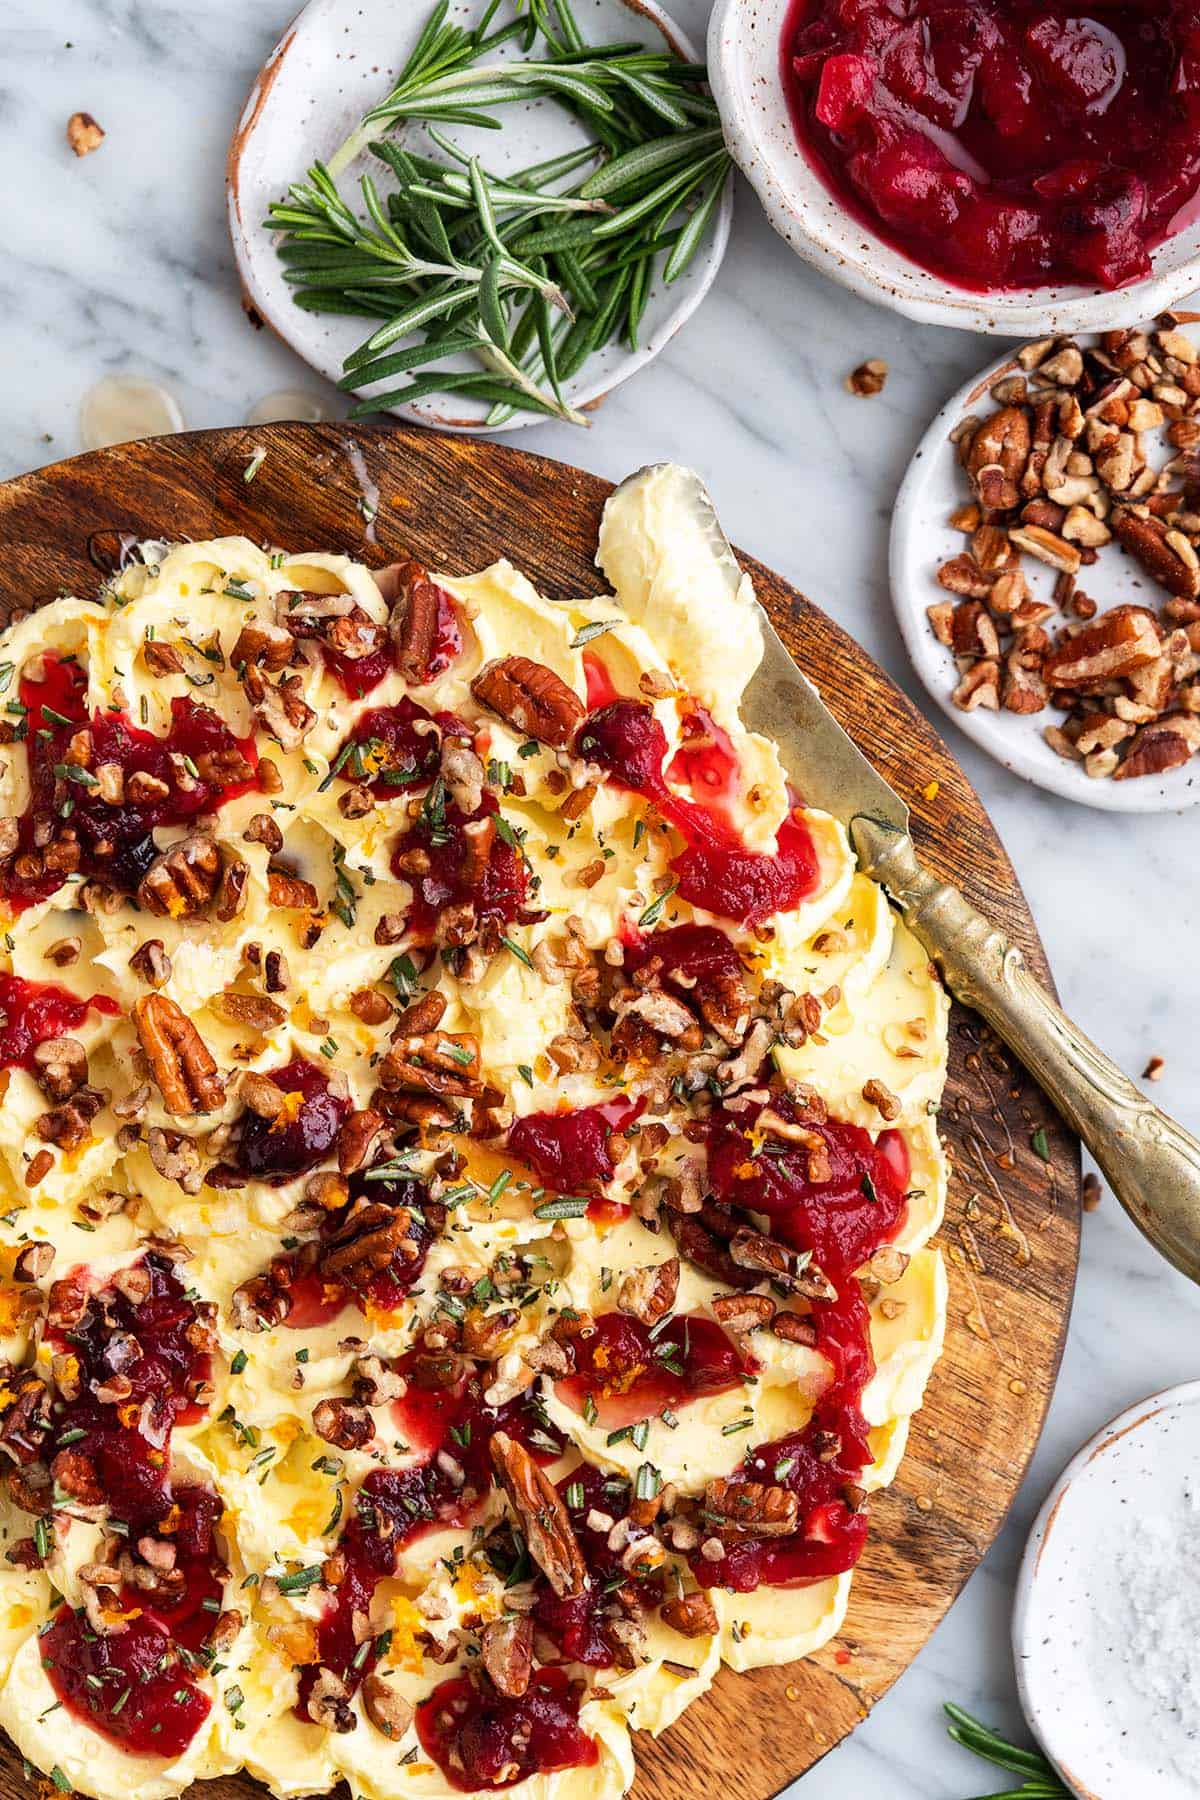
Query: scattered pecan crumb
(868, 378)
(83, 133)
(1153, 1069)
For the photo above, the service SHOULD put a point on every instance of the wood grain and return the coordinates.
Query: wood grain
(1012, 1228)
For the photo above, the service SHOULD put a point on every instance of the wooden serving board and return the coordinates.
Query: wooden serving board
(1011, 1235)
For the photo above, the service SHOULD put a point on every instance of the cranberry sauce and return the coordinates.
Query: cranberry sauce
(481, 1740)
(571, 1151)
(130, 1685)
(143, 1346)
(196, 767)
(821, 1465)
(714, 870)
(306, 1130)
(150, 1353)
(629, 1370)
(842, 1220)
(480, 868)
(389, 752)
(31, 1012)
(394, 1506)
(1004, 145)
(580, 1624)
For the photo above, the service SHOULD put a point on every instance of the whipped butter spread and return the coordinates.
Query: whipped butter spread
(468, 1161)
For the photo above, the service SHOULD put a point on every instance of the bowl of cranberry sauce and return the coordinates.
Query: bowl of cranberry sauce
(1000, 165)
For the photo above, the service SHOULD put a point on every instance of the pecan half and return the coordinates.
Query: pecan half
(183, 880)
(541, 1515)
(413, 619)
(530, 697)
(368, 1240)
(506, 1648)
(745, 1509)
(183, 1070)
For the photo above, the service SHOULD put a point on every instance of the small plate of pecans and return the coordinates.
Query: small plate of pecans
(1045, 564)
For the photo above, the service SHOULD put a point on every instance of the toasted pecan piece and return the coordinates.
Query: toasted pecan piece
(435, 1063)
(531, 697)
(386, 1708)
(413, 619)
(1163, 744)
(506, 1647)
(183, 880)
(746, 1509)
(541, 1515)
(183, 1070)
(289, 892)
(649, 1293)
(1146, 540)
(1119, 642)
(1004, 439)
(252, 1010)
(691, 1615)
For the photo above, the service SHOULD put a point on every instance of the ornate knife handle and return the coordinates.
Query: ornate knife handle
(1151, 1163)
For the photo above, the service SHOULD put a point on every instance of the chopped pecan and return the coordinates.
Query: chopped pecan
(530, 697)
(252, 1010)
(76, 1475)
(972, 630)
(691, 1615)
(290, 892)
(24, 1414)
(343, 1425)
(388, 1711)
(433, 1063)
(649, 1293)
(506, 1649)
(765, 1255)
(1003, 439)
(151, 962)
(749, 1509)
(83, 133)
(60, 1066)
(1047, 546)
(268, 646)
(980, 686)
(357, 1139)
(176, 1158)
(1146, 540)
(279, 708)
(329, 1703)
(963, 575)
(33, 1261)
(185, 1073)
(182, 881)
(541, 1515)
(740, 1313)
(1164, 744)
(1120, 641)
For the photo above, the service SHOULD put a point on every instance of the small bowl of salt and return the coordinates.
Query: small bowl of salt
(1106, 1626)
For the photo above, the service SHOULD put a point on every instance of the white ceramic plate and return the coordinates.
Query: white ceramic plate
(745, 42)
(1085, 1678)
(921, 540)
(336, 60)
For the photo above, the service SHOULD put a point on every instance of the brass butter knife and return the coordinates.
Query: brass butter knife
(1151, 1163)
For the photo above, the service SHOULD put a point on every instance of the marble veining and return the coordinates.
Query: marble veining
(120, 263)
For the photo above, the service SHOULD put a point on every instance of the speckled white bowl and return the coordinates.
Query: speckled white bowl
(1108, 1736)
(339, 57)
(922, 539)
(745, 40)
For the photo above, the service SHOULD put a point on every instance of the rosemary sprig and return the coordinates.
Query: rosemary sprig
(530, 272)
(1040, 1782)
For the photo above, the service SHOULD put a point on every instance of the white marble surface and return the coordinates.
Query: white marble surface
(121, 262)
